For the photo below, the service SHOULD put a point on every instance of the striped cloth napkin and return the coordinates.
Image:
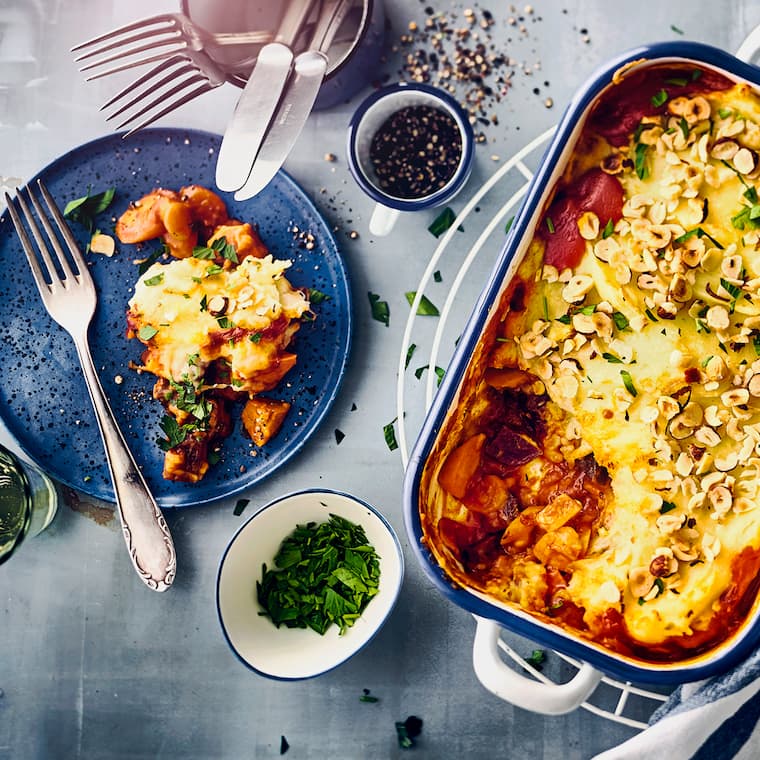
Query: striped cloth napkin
(716, 719)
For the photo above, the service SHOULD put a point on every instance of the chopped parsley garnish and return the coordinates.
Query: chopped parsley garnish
(659, 98)
(677, 81)
(749, 216)
(684, 125)
(609, 228)
(442, 222)
(667, 506)
(426, 307)
(255, 337)
(628, 382)
(225, 323)
(380, 309)
(150, 260)
(85, 209)
(317, 296)
(508, 225)
(724, 113)
(611, 358)
(550, 224)
(367, 697)
(213, 269)
(640, 161)
(700, 233)
(389, 434)
(620, 320)
(146, 332)
(326, 574)
(219, 247)
(175, 433)
(155, 280)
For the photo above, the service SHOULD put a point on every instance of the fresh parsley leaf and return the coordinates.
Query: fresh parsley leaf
(380, 309)
(84, 210)
(426, 307)
(325, 574)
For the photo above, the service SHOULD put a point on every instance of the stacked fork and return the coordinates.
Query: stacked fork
(179, 49)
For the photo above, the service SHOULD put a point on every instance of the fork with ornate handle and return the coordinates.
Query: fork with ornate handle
(71, 299)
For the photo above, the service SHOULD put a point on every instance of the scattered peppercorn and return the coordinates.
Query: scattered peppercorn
(416, 151)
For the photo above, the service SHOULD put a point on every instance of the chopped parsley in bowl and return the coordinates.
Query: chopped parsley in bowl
(307, 582)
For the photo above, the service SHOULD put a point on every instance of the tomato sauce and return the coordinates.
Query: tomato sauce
(623, 106)
(593, 191)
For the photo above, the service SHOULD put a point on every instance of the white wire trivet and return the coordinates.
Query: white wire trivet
(614, 700)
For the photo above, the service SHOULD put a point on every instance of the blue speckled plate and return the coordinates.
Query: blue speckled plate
(43, 399)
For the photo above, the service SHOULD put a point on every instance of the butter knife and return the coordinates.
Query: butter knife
(259, 99)
(297, 100)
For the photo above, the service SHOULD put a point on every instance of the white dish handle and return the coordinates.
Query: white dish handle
(504, 682)
(750, 47)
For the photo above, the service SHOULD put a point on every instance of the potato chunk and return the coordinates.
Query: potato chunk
(263, 418)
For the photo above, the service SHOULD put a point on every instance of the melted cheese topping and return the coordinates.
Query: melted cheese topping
(175, 300)
(648, 352)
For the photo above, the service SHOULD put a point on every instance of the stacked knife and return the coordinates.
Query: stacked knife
(277, 99)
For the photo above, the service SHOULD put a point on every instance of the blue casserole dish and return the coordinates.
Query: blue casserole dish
(551, 169)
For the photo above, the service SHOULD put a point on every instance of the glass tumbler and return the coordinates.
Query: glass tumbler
(28, 502)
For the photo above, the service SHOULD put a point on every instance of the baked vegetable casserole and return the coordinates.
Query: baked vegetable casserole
(600, 469)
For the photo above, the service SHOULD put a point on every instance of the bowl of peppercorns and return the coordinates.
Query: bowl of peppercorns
(410, 148)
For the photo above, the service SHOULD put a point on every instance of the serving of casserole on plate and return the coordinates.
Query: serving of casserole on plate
(594, 457)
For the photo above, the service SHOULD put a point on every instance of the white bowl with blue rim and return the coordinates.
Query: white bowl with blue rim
(297, 653)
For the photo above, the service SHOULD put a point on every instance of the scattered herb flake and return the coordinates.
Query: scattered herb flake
(240, 506)
(390, 435)
(367, 697)
(640, 161)
(611, 358)
(659, 98)
(339, 436)
(317, 296)
(537, 658)
(620, 320)
(426, 307)
(380, 309)
(675, 29)
(508, 225)
(409, 353)
(437, 276)
(550, 224)
(408, 730)
(667, 506)
(442, 222)
(156, 280)
(609, 228)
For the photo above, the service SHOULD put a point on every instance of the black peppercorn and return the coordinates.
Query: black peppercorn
(416, 151)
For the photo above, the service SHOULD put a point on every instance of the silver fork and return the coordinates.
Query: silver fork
(167, 34)
(70, 299)
(190, 74)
